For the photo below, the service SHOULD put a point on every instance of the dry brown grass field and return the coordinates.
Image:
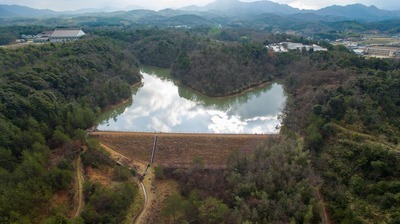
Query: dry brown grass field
(181, 150)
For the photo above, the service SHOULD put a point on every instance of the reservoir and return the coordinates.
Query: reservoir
(160, 105)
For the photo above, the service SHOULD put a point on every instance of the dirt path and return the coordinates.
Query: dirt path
(78, 197)
(135, 220)
(325, 217)
(146, 185)
(143, 211)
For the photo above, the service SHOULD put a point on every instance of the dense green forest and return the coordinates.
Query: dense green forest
(212, 61)
(157, 47)
(221, 69)
(363, 121)
(10, 33)
(348, 110)
(49, 95)
(106, 204)
(340, 134)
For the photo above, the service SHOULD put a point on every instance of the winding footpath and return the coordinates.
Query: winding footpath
(138, 216)
(122, 160)
(325, 217)
(78, 197)
(149, 196)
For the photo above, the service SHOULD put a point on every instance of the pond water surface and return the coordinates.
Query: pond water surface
(159, 105)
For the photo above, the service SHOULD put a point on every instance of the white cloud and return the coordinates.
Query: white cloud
(222, 123)
(158, 125)
(303, 5)
(263, 118)
(157, 106)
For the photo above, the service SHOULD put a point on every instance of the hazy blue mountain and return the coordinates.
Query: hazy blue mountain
(5, 13)
(238, 8)
(169, 17)
(140, 16)
(188, 20)
(171, 12)
(219, 11)
(106, 9)
(93, 10)
(358, 12)
(23, 11)
(311, 16)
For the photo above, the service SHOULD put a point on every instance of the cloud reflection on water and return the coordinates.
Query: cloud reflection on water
(159, 105)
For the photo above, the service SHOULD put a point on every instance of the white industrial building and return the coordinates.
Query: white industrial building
(59, 35)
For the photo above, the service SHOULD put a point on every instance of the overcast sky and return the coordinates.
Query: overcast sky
(62, 5)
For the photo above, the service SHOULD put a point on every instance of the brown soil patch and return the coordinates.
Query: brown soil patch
(165, 188)
(56, 155)
(60, 198)
(61, 201)
(122, 102)
(180, 150)
(69, 151)
(104, 177)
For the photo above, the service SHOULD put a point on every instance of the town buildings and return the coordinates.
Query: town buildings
(286, 46)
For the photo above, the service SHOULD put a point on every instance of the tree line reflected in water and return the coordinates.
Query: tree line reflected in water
(161, 105)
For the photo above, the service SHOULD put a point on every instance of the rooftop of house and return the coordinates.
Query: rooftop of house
(45, 33)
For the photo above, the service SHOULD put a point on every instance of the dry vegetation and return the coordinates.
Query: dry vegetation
(180, 150)
(174, 152)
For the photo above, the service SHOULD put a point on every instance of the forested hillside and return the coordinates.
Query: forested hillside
(157, 47)
(224, 69)
(340, 134)
(10, 33)
(360, 155)
(49, 94)
(212, 61)
(273, 184)
(346, 108)
(348, 112)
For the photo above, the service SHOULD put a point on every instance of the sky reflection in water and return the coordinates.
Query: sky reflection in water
(161, 106)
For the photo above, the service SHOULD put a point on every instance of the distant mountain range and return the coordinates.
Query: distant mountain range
(7, 11)
(23, 11)
(358, 12)
(246, 9)
(230, 9)
(238, 8)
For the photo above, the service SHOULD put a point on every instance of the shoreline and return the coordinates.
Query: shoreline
(122, 102)
(113, 106)
(190, 94)
(237, 93)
